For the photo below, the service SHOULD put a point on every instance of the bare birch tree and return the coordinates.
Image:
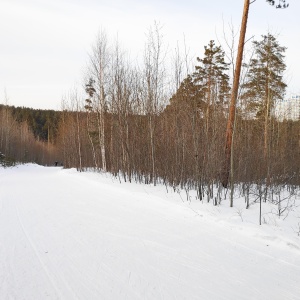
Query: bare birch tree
(99, 72)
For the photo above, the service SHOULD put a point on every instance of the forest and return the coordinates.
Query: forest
(146, 126)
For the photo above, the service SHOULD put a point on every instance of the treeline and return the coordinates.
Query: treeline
(28, 135)
(43, 123)
(147, 125)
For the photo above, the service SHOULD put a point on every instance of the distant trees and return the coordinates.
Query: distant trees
(43, 123)
(72, 133)
(17, 141)
(8, 126)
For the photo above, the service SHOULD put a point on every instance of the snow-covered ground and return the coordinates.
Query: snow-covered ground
(70, 235)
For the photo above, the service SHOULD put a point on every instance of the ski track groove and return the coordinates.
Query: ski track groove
(43, 265)
(106, 268)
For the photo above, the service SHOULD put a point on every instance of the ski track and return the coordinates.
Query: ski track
(44, 266)
(65, 235)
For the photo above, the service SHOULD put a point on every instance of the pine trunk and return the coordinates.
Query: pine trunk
(234, 94)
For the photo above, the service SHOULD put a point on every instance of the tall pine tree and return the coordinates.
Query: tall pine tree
(264, 86)
(264, 83)
(210, 77)
(209, 84)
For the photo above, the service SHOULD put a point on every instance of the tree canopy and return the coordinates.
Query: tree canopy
(264, 82)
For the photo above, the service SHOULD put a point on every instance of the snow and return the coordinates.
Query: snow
(71, 235)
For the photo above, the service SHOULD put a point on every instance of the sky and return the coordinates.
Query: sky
(44, 45)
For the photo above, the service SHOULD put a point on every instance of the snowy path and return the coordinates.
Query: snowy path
(65, 235)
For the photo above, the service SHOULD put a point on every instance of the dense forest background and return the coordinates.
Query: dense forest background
(28, 135)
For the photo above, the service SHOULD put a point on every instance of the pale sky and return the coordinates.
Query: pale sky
(44, 45)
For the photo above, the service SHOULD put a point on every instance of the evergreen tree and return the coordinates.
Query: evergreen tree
(209, 84)
(264, 82)
(210, 77)
(187, 96)
(264, 85)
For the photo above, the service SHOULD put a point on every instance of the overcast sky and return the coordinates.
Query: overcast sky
(44, 45)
